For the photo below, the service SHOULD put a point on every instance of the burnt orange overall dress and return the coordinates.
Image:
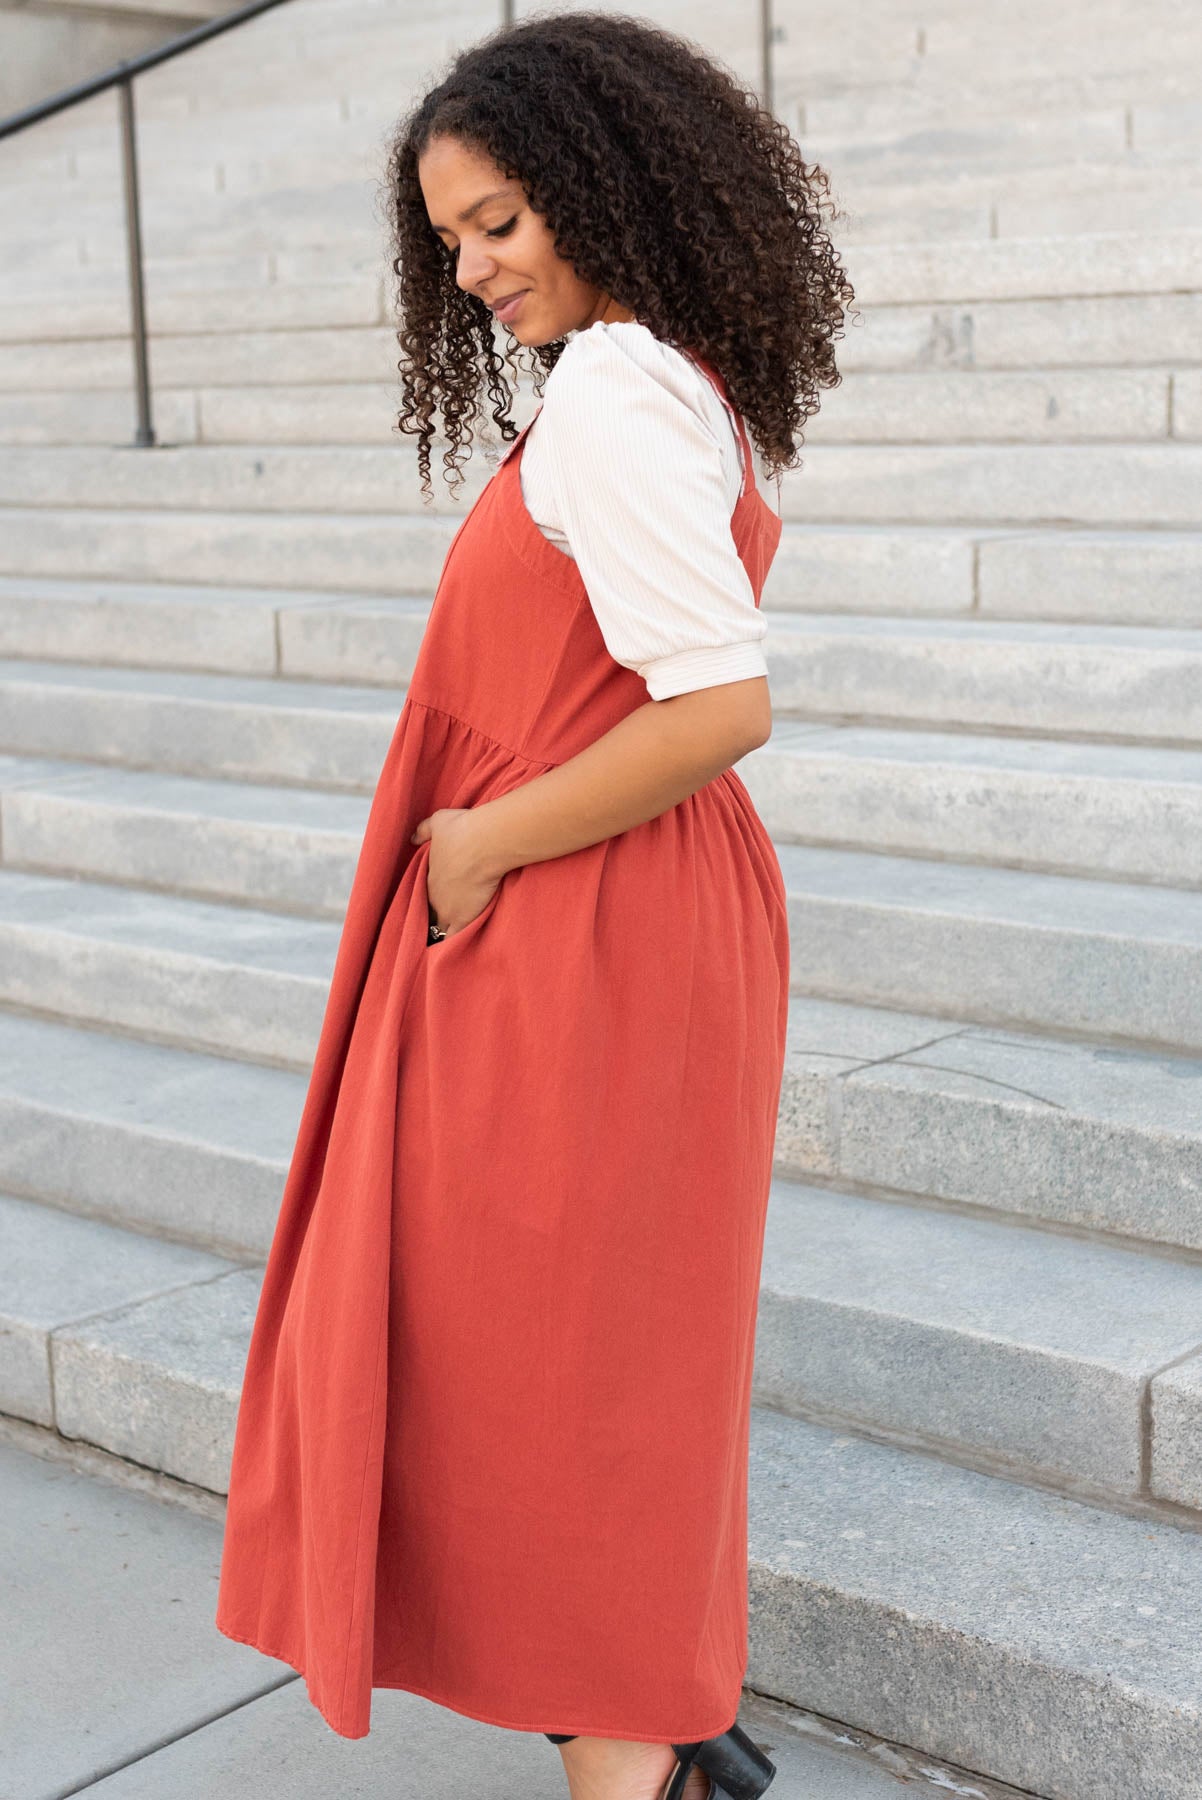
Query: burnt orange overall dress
(493, 1433)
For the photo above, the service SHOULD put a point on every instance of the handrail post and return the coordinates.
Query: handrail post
(144, 436)
(766, 34)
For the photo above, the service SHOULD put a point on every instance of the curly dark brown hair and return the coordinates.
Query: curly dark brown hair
(667, 185)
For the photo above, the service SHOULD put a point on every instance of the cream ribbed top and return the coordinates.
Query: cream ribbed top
(633, 467)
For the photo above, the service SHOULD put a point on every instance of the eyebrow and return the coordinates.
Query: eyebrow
(462, 218)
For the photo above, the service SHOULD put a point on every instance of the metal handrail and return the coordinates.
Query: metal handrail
(121, 77)
(127, 68)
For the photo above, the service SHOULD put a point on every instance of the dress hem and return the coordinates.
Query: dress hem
(601, 1731)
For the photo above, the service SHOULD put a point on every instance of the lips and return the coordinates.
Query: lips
(506, 303)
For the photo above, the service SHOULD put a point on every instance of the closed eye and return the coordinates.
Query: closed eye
(496, 232)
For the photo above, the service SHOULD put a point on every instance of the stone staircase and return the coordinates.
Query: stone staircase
(976, 1480)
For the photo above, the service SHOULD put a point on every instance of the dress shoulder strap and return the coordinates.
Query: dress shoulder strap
(514, 442)
(719, 387)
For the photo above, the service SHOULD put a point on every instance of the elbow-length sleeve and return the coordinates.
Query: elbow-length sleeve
(642, 497)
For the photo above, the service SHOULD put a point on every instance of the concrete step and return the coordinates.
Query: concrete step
(342, 413)
(348, 213)
(383, 555)
(1036, 1355)
(204, 294)
(1101, 810)
(1059, 198)
(1176, 1458)
(1040, 1355)
(1045, 99)
(1071, 575)
(883, 36)
(195, 358)
(339, 479)
(880, 217)
(1049, 1643)
(341, 219)
(223, 978)
(1114, 682)
(1108, 960)
(864, 149)
(204, 297)
(1122, 329)
(1122, 577)
(1187, 404)
(208, 294)
(1035, 406)
(1124, 485)
(853, 577)
(949, 406)
(302, 733)
(858, 138)
(893, 198)
(1106, 682)
(1119, 330)
(183, 1145)
(60, 1271)
(1104, 959)
(1025, 52)
(1108, 263)
(313, 724)
(23, 286)
(142, 1344)
(288, 848)
(1079, 1136)
(1082, 1136)
(286, 631)
(234, 213)
(914, 172)
(1023, 803)
(101, 417)
(206, 166)
(1112, 485)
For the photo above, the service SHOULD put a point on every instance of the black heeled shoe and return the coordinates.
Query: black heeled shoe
(737, 1768)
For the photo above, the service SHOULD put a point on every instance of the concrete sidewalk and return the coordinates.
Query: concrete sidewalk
(115, 1682)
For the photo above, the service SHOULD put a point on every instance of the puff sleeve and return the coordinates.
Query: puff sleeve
(643, 499)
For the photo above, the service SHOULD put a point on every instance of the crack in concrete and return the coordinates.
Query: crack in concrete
(993, 1081)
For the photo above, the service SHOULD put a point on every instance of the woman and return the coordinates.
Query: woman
(492, 1441)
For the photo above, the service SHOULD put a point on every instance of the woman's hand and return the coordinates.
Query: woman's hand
(455, 887)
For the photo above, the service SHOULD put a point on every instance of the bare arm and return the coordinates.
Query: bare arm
(655, 757)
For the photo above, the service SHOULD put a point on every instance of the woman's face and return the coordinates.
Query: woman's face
(502, 247)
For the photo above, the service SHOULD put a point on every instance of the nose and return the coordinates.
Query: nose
(474, 268)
